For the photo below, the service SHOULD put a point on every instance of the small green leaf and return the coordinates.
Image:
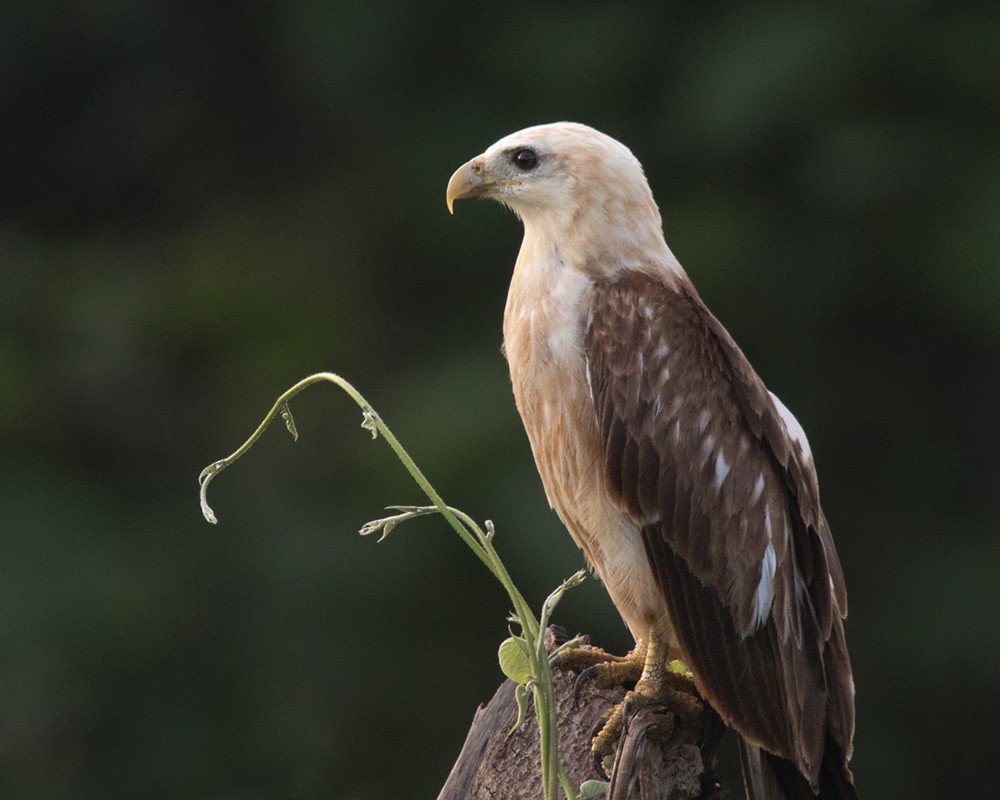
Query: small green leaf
(286, 415)
(514, 659)
(679, 668)
(592, 790)
(521, 695)
(571, 582)
(386, 524)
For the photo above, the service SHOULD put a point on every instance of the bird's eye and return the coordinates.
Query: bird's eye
(525, 159)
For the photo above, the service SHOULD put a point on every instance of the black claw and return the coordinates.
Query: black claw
(598, 727)
(585, 675)
(599, 766)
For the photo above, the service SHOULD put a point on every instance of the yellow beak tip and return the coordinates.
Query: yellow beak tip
(468, 181)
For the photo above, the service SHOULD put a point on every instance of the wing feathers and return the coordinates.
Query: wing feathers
(697, 454)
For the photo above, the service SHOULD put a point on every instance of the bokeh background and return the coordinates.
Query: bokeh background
(201, 203)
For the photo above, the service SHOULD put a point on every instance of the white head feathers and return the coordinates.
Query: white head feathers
(575, 185)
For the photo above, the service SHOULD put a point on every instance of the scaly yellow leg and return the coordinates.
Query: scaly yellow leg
(662, 681)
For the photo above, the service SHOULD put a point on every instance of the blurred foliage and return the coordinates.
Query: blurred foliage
(201, 203)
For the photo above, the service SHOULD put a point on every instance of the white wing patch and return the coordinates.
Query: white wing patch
(792, 426)
(722, 468)
(707, 446)
(765, 588)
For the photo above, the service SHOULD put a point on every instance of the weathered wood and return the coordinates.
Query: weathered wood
(661, 755)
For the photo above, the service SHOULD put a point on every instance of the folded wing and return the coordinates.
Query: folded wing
(699, 455)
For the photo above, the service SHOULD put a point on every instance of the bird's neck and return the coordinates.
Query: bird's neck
(600, 243)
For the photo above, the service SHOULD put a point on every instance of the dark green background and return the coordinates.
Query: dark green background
(201, 203)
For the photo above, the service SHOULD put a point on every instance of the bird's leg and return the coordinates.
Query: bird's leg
(663, 682)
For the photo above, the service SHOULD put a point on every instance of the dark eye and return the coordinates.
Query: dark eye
(525, 159)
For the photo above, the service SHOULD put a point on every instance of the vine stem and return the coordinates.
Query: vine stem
(470, 532)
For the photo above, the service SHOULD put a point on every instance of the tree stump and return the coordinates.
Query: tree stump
(661, 755)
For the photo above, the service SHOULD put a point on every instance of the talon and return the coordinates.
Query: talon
(605, 743)
(585, 675)
(657, 681)
(600, 666)
(599, 765)
(628, 707)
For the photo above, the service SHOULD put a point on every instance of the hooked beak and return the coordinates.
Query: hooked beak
(470, 180)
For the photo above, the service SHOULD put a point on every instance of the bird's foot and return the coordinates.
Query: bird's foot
(670, 688)
(580, 658)
(602, 667)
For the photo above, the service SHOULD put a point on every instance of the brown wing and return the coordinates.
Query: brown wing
(697, 454)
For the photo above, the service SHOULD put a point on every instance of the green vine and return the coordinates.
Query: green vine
(523, 657)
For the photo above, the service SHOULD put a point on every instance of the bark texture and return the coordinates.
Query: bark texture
(662, 755)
